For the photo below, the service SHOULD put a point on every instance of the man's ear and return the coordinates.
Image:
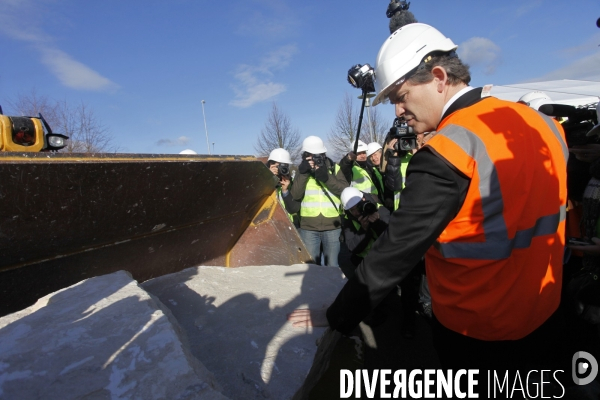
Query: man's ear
(441, 77)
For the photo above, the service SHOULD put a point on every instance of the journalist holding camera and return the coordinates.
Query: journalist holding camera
(317, 188)
(279, 164)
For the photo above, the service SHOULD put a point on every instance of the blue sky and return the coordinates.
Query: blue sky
(145, 66)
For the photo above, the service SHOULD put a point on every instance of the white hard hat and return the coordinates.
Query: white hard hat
(372, 148)
(313, 145)
(187, 151)
(362, 146)
(350, 197)
(281, 156)
(596, 129)
(535, 99)
(402, 52)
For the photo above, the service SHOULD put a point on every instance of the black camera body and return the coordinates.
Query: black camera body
(366, 207)
(283, 169)
(361, 77)
(407, 139)
(319, 160)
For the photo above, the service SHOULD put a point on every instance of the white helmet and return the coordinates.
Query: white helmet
(535, 99)
(402, 52)
(350, 197)
(362, 146)
(187, 151)
(281, 156)
(372, 148)
(313, 145)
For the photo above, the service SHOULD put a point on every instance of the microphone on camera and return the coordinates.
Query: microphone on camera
(557, 110)
(399, 15)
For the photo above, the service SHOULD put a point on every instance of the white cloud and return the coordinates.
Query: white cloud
(481, 52)
(528, 6)
(254, 82)
(585, 69)
(72, 73)
(69, 71)
(180, 141)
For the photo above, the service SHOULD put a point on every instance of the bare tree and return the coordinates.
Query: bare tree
(86, 133)
(278, 133)
(342, 135)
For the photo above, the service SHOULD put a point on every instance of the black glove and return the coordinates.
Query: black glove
(321, 174)
(304, 167)
(346, 166)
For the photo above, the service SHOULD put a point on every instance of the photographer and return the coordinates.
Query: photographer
(359, 174)
(279, 163)
(317, 188)
(364, 222)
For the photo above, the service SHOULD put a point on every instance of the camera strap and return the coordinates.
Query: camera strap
(326, 192)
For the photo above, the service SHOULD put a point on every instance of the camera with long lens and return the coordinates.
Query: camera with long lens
(319, 160)
(580, 120)
(361, 77)
(407, 139)
(366, 207)
(283, 169)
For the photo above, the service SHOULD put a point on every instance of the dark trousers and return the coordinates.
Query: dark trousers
(543, 349)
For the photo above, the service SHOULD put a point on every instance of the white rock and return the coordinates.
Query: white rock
(103, 338)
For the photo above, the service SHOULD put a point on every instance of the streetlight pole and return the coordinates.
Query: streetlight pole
(205, 129)
(213, 147)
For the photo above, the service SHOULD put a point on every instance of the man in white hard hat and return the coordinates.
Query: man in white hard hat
(317, 188)
(364, 221)
(359, 175)
(484, 200)
(279, 163)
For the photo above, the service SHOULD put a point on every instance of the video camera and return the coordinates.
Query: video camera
(407, 139)
(366, 207)
(580, 121)
(361, 77)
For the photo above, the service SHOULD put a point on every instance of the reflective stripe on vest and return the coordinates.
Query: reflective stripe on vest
(315, 201)
(495, 271)
(362, 181)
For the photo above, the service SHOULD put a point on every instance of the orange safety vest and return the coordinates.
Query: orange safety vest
(495, 272)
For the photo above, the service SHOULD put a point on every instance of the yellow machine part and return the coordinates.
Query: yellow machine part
(6, 136)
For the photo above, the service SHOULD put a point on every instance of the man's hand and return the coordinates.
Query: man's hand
(351, 157)
(586, 153)
(321, 174)
(366, 220)
(304, 167)
(274, 169)
(285, 183)
(304, 317)
(592, 249)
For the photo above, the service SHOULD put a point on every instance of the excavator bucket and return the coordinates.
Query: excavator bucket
(68, 217)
